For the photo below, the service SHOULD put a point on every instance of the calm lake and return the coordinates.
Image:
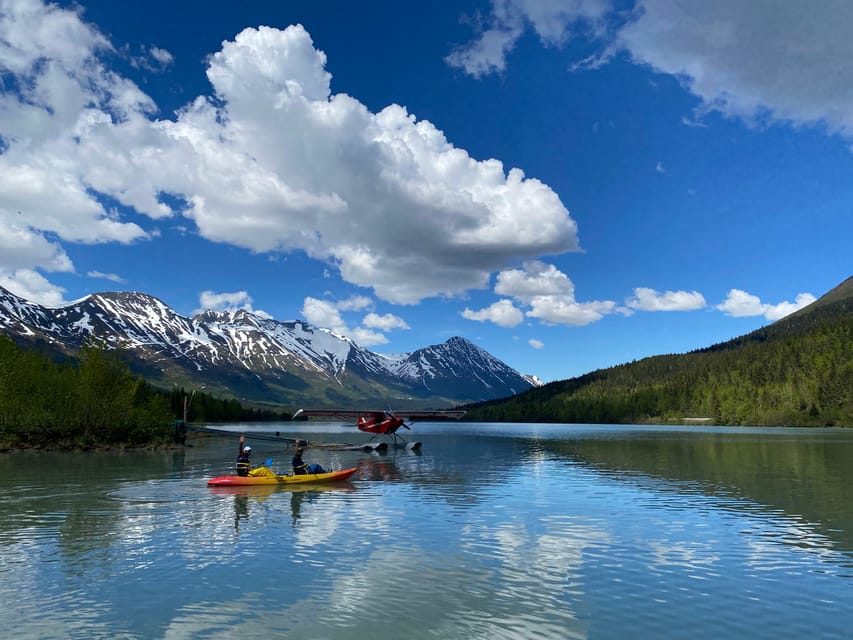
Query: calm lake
(491, 531)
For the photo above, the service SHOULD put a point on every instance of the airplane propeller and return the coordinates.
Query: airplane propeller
(391, 414)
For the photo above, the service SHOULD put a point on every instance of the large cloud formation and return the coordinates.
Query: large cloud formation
(785, 61)
(273, 161)
(759, 61)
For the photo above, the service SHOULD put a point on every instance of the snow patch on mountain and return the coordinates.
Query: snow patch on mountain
(269, 349)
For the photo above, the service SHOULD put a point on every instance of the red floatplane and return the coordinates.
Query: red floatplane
(383, 423)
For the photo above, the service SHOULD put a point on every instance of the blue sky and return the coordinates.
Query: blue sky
(569, 184)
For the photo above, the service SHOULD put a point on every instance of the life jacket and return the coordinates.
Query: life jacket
(243, 465)
(298, 465)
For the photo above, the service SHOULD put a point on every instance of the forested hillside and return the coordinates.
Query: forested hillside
(95, 401)
(90, 403)
(798, 371)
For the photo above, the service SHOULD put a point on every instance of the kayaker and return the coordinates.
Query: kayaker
(243, 464)
(299, 467)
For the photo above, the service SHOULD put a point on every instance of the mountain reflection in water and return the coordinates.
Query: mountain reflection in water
(492, 531)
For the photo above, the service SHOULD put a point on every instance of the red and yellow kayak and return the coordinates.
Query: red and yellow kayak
(249, 481)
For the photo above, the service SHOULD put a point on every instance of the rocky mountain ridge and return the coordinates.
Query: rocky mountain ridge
(258, 359)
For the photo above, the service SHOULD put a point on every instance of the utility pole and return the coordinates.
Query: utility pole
(187, 401)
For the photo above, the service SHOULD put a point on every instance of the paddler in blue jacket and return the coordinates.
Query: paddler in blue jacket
(299, 467)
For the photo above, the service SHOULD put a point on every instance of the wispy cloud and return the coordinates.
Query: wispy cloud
(106, 276)
(756, 61)
(555, 23)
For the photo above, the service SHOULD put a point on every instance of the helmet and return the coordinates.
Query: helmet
(247, 449)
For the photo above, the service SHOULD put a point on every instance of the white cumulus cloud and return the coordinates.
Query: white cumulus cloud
(327, 314)
(546, 292)
(740, 304)
(565, 310)
(367, 337)
(272, 161)
(23, 248)
(22, 251)
(324, 313)
(502, 313)
(230, 301)
(778, 311)
(535, 279)
(32, 286)
(385, 322)
(645, 299)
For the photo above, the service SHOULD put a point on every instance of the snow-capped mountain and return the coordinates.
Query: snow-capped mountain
(258, 359)
(437, 369)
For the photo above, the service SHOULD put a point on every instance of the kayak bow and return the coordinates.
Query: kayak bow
(243, 481)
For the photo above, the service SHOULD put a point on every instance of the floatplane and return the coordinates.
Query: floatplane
(382, 424)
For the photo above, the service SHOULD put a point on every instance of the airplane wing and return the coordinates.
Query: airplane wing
(349, 414)
(326, 413)
(430, 415)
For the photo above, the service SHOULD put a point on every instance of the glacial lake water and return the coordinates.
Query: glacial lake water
(491, 531)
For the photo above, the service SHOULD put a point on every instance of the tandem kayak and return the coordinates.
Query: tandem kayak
(250, 481)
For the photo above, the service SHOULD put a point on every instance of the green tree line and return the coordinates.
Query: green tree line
(205, 408)
(95, 400)
(798, 371)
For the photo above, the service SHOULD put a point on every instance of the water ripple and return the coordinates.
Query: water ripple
(515, 533)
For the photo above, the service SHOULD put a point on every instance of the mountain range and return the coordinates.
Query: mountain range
(260, 360)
